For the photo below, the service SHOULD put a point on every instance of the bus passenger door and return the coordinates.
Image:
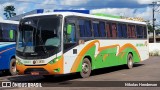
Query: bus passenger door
(69, 46)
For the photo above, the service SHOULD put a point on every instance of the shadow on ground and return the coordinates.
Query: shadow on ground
(67, 77)
(4, 73)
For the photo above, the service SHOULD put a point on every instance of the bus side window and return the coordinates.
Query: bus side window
(71, 33)
(8, 32)
(114, 30)
(1, 32)
(120, 31)
(84, 28)
(139, 30)
(133, 31)
(145, 32)
(69, 36)
(124, 30)
(109, 34)
(102, 29)
(129, 31)
(96, 29)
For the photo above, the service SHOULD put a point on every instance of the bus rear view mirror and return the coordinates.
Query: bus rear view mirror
(69, 29)
(11, 34)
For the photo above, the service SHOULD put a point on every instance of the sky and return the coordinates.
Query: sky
(128, 8)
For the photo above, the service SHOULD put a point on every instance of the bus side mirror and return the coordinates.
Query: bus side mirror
(69, 29)
(11, 34)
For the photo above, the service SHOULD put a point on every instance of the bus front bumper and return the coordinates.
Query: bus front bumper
(48, 69)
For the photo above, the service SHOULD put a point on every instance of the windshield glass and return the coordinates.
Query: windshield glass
(39, 36)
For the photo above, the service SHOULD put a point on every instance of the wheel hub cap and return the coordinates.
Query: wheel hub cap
(85, 67)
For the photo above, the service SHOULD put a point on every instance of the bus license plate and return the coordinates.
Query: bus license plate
(34, 73)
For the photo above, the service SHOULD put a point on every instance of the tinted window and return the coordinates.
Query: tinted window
(124, 30)
(131, 31)
(109, 30)
(120, 31)
(139, 31)
(70, 33)
(8, 32)
(114, 30)
(1, 31)
(85, 28)
(102, 29)
(145, 32)
(96, 29)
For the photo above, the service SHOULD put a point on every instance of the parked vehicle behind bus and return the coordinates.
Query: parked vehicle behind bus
(8, 30)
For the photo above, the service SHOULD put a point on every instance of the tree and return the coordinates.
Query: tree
(150, 28)
(9, 11)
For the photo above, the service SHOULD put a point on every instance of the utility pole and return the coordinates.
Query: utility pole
(154, 34)
(154, 4)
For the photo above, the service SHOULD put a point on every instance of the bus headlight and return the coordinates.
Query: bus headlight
(53, 61)
(18, 62)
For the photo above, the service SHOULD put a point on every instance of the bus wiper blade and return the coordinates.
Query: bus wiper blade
(25, 47)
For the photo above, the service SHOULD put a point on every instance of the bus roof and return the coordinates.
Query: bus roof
(85, 15)
(9, 21)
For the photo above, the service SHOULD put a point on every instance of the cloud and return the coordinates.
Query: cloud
(46, 2)
(145, 13)
(20, 9)
(146, 1)
(129, 8)
(115, 11)
(73, 2)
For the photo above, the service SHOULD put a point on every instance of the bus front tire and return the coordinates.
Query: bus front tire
(130, 61)
(86, 68)
(12, 68)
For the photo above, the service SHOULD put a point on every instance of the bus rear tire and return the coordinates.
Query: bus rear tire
(12, 69)
(130, 61)
(86, 68)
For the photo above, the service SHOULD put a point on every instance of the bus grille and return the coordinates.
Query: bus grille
(40, 70)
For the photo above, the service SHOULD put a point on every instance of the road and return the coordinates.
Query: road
(148, 70)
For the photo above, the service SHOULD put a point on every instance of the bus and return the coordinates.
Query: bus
(68, 42)
(8, 31)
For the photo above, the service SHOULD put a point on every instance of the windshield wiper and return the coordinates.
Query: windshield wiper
(25, 47)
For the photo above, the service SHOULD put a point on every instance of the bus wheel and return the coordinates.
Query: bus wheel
(12, 68)
(130, 61)
(86, 68)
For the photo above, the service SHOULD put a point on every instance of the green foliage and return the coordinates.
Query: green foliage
(9, 11)
(150, 28)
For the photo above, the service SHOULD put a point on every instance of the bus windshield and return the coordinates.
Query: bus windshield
(39, 36)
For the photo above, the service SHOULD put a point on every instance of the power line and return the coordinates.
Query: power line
(154, 4)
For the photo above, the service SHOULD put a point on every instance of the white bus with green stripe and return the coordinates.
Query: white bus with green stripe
(68, 42)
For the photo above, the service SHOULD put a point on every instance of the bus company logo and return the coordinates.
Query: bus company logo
(34, 62)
